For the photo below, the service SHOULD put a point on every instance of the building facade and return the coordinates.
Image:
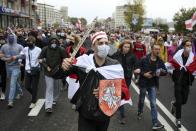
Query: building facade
(48, 15)
(64, 12)
(119, 17)
(16, 13)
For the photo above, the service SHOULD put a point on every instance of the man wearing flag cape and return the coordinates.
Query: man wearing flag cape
(183, 68)
(102, 85)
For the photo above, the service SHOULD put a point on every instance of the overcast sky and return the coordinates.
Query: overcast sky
(104, 8)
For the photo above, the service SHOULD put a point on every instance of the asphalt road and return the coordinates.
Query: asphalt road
(65, 119)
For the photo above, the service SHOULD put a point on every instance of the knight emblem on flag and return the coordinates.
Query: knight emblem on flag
(110, 96)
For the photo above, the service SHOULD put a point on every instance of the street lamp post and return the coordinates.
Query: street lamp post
(45, 14)
(30, 13)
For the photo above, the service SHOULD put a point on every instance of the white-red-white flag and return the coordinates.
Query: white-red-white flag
(79, 24)
(191, 22)
(194, 19)
(188, 24)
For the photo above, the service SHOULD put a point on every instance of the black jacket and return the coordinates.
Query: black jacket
(128, 63)
(86, 103)
(53, 57)
(145, 66)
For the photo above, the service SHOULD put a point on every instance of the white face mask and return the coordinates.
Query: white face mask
(103, 50)
(53, 45)
(188, 49)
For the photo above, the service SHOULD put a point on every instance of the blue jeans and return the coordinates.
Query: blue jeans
(152, 97)
(13, 74)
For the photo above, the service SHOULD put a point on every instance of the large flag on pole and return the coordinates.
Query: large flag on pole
(191, 22)
(79, 24)
(194, 19)
(188, 24)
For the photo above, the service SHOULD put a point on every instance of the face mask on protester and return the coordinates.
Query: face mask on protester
(54, 44)
(188, 49)
(2, 41)
(58, 33)
(11, 39)
(31, 45)
(103, 50)
(62, 34)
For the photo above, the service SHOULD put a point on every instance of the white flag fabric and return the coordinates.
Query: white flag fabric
(188, 24)
(191, 22)
(194, 19)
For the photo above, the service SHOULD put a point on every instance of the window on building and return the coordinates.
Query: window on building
(10, 5)
(1, 3)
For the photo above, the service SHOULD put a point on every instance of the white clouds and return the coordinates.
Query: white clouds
(104, 8)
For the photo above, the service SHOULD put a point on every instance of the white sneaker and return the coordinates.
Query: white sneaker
(2, 96)
(18, 96)
(10, 104)
(32, 106)
(73, 107)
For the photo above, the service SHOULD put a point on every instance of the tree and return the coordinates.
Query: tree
(136, 10)
(180, 17)
(56, 25)
(162, 27)
(83, 21)
(73, 20)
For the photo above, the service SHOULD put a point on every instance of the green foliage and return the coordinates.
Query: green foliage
(180, 17)
(136, 8)
(74, 20)
(83, 21)
(162, 27)
(56, 25)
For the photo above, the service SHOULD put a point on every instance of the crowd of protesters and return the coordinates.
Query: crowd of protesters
(26, 52)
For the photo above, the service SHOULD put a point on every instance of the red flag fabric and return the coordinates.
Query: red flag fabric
(190, 65)
(191, 22)
(188, 24)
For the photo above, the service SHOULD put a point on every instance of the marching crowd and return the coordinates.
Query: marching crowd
(26, 52)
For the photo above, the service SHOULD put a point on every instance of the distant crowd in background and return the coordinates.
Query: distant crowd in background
(26, 52)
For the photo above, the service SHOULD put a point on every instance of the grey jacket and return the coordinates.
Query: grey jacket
(10, 50)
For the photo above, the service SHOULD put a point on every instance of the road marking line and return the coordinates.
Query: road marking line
(169, 115)
(35, 111)
(167, 127)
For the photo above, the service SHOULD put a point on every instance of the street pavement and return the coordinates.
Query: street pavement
(65, 119)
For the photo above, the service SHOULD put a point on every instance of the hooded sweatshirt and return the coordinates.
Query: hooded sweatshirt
(10, 50)
(53, 56)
